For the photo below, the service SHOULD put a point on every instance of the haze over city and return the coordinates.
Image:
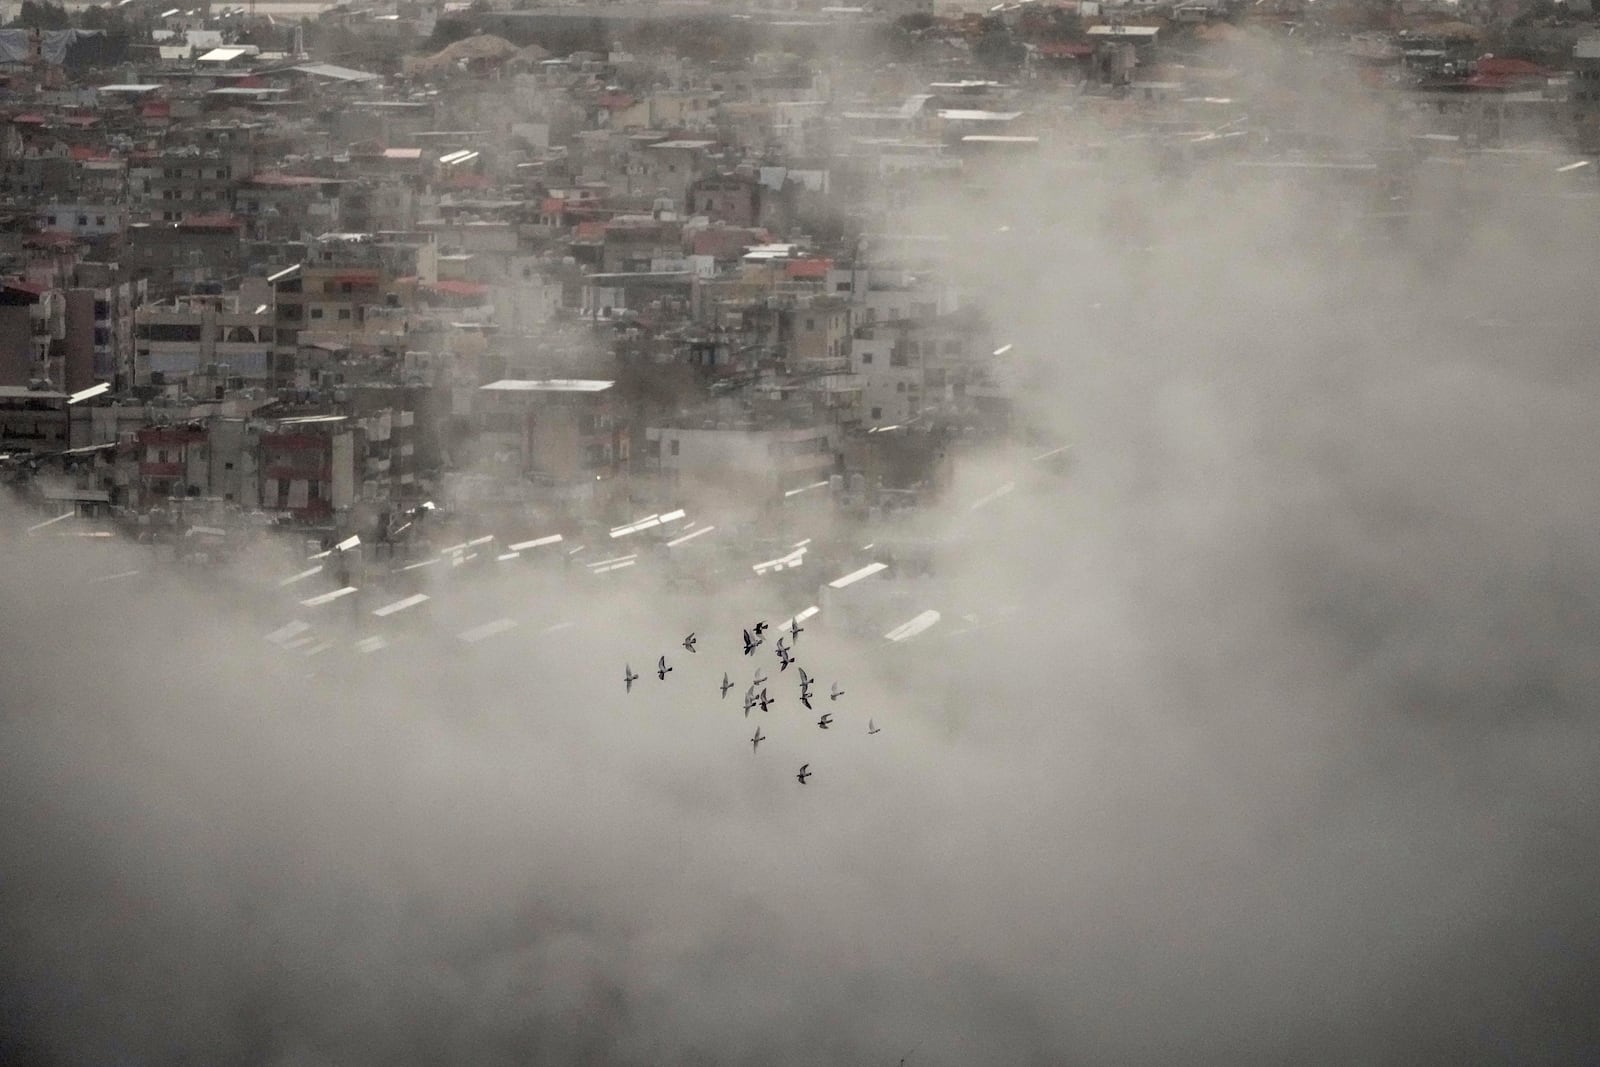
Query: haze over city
(1178, 450)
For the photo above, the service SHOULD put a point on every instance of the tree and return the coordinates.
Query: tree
(42, 16)
(96, 17)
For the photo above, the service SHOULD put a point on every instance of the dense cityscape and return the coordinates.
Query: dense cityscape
(1132, 460)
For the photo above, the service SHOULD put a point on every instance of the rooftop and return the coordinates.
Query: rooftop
(548, 385)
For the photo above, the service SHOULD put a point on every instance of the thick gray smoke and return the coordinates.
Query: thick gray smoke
(1289, 752)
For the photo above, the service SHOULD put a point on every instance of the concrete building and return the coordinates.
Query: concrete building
(100, 219)
(745, 457)
(173, 341)
(308, 466)
(560, 429)
(33, 419)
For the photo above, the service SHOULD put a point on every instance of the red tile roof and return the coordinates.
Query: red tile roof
(1507, 67)
(726, 242)
(807, 269)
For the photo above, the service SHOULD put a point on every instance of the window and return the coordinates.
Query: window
(877, 413)
(866, 357)
(899, 387)
(674, 446)
(316, 313)
(99, 220)
(49, 220)
(344, 313)
(165, 331)
(811, 323)
(83, 220)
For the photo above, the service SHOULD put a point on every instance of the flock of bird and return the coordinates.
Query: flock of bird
(757, 696)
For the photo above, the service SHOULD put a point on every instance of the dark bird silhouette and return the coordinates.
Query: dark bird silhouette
(628, 677)
(688, 642)
(805, 773)
(761, 628)
(750, 643)
(825, 721)
(835, 693)
(784, 659)
(726, 685)
(795, 630)
(662, 670)
(871, 729)
(757, 739)
(766, 701)
(805, 698)
(805, 679)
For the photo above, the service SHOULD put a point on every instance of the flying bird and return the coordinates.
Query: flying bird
(804, 773)
(805, 679)
(871, 729)
(835, 693)
(795, 630)
(805, 698)
(750, 643)
(662, 670)
(825, 721)
(757, 739)
(726, 685)
(749, 701)
(688, 642)
(766, 701)
(760, 679)
(628, 677)
(760, 628)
